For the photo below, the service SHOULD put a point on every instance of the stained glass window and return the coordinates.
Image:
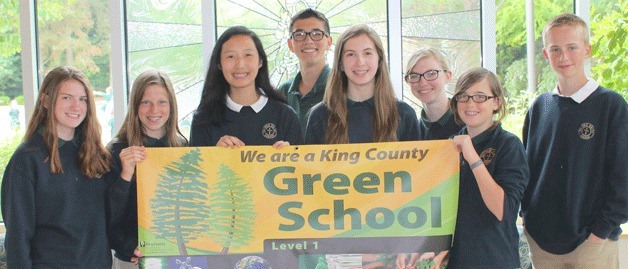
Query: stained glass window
(166, 35)
(453, 26)
(270, 19)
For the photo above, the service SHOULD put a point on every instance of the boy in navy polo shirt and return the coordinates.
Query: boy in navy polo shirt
(575, 138)
(309, 41)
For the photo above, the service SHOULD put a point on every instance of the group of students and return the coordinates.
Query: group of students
(66, 199)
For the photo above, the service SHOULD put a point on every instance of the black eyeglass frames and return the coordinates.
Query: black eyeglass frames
(315, 35)
(480, 98)
(428, 75)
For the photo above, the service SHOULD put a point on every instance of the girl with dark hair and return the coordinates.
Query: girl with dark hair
(151, 121)
(54, 197)
(239, 106)
(359, 104)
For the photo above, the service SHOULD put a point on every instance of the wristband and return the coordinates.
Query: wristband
(476, 164)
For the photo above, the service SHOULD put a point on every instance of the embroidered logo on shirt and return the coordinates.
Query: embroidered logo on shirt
(488, 155)
(586, 131)
(269, 131)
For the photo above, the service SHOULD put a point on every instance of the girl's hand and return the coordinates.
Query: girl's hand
(129, 157)
(227, 141)
(281, 144)
(412, 260)
(138, 254)
(438, 260)
(463, 144)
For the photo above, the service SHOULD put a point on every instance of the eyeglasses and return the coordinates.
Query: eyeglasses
(429, 75)
(480, 98)
(315, 35)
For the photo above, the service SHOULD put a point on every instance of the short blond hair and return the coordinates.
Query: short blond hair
(570, 20)
(425, 53)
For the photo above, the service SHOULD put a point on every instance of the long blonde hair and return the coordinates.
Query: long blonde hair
(93, 158)
(386, 117)
(132, 131)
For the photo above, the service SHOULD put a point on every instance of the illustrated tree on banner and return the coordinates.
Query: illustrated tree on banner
(180, 203)
(232, 211)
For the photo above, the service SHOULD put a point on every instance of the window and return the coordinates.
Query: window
(453, 26)
(270, 19)
(166, 35)
(78, 35)
(512, 58)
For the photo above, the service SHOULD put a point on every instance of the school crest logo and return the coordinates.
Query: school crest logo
(586, 131)
(488, 155)
(269, 131)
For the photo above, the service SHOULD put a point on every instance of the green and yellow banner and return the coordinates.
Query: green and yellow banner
(314, 206)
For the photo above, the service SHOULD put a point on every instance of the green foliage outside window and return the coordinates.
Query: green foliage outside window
(609, 30)
(6, 151)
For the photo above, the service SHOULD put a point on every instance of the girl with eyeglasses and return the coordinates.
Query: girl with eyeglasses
(359, 105)
(493, 176)
(428, 74)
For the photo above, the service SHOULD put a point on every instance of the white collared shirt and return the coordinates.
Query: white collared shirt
(257, 106)
(582, 94)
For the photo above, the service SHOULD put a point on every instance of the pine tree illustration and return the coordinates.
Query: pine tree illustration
(180, 207)
(231, 213)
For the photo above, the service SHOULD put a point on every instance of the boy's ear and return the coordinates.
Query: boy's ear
(329, 42)
(587, 50)
(545, 54)
(291, 45)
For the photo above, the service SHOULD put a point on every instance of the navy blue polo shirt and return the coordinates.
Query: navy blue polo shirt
(302, 104)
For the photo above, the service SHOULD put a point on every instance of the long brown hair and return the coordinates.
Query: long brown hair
(93, 158)
(132, 131)
(386, 117)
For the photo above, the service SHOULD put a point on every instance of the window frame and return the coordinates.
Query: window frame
(118, 47)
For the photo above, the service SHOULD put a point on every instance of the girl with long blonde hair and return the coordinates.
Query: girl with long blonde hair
(151, 121)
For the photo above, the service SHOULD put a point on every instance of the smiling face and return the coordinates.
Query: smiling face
(240, 62)
(70, 108)
(360, 61)
(154, 111)
(478, 116)
(566, 51)
(308, 51)
(429, 92)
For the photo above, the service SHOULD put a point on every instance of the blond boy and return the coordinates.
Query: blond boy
(575, 138)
